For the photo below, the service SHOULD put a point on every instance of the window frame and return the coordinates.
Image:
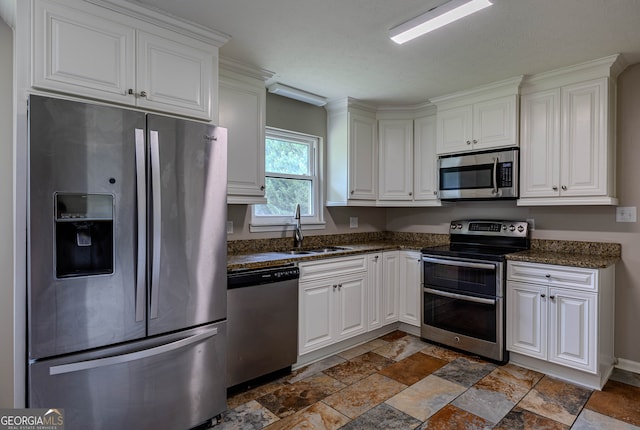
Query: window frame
(260, 223)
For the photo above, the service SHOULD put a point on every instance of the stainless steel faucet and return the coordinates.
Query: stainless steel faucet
(297, 233)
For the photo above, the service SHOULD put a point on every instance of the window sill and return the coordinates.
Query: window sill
(313, 225)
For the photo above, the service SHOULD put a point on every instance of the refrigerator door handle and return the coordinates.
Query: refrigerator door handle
(157, 221)
(133, 356)
(141, 196)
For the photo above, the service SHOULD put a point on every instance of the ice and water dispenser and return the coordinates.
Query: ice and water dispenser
(83, 234)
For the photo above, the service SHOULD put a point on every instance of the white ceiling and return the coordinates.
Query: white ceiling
(338, 48)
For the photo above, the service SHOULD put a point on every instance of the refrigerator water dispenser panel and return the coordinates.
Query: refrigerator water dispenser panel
(83, 234)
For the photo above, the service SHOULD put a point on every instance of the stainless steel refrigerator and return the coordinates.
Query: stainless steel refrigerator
(127, 266)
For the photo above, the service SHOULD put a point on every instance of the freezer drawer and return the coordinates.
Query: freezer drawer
(171, 382)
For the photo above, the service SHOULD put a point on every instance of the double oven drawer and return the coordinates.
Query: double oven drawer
(463, 306)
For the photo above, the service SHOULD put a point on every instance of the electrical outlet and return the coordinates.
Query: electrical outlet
(353, 222)
(229, 227)
(626, 214)
(532, 223)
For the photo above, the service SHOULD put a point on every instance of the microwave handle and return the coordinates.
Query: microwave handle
(495, 176)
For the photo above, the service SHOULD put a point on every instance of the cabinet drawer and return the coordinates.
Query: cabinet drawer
(561, 276)
(332, 267)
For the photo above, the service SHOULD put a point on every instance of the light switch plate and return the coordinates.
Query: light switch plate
(353, 222)
(626, 214)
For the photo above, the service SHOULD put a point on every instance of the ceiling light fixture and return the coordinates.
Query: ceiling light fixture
(436, 18)
(295, 93)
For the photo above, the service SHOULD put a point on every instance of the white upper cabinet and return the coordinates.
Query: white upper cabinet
(107, 54)
(568, 136)
(478, 119)
(396, 159)
(242, 108)
(352, 152)
(408, 161)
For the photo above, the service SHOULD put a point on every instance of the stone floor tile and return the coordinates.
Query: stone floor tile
(394, 335)
(291, 398)
(426, 397)
(242, 397)
(358, 368)
(626, 377)
(361, 349)
(413, 368)
(249, 416)
(617, 400)
(383, 417)
(316, 417)
(401, 348)
(442, 353)
(522, 419)
(314, 368)
(453, 418)
(556, 399)
(511, 380)
(365, 394)
(465, 371)
(488, 404)
(590, 420)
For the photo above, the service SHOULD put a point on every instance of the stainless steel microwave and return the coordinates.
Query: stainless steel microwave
(479, 176)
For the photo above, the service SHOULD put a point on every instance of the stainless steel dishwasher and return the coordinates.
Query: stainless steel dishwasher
(262, 322)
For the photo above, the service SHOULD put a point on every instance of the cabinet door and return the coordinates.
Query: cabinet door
(584, 141)
(495, 123)
(315, 314)
(351, 306)
(177, 75)
(409, 285)
(242, 108)
(540, 144)
(527, 319)
(375, 290)
(454, 130)
(396, 159)
(83, 54)
(425, 159)
(363, 157)
(390, 283)
(573, 338)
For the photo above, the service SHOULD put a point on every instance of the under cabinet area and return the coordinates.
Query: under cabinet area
(99, 53)
(560, 320)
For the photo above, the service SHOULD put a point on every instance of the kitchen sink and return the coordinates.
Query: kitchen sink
(298, 252)
(329, 249)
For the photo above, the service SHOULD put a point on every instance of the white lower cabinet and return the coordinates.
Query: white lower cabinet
(333, 301)
(562, 317)
(382, 288)
(409, 287)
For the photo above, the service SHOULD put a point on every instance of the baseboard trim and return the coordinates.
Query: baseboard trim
(629, 365)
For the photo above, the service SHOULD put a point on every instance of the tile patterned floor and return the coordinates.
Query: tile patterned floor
(401, 382)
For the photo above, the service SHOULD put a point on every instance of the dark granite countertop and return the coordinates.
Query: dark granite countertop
(253, 254)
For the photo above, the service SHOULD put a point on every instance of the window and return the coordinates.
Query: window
(291, 178)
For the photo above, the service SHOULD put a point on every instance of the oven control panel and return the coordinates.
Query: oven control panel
(490, 228)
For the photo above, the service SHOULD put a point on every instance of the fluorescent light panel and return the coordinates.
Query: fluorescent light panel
(295, 93)
(436, 18)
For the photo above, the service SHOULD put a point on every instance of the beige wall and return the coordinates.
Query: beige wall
(6, 215)
(588, 223)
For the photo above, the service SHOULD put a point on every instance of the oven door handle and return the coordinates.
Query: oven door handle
(469, 264)
(460, 296)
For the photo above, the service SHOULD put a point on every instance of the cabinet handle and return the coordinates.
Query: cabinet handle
(339, 286)
(554, 188)
(547, 275)
(475, 141)
(435, 193)
(552, 297)
(334, 287)
(564, 188)
(410, 194)
(261, 187)
(543, 295)
(133, 93)
(468, 142)
(375, 258)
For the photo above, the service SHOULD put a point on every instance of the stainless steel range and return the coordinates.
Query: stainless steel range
(463, 286)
